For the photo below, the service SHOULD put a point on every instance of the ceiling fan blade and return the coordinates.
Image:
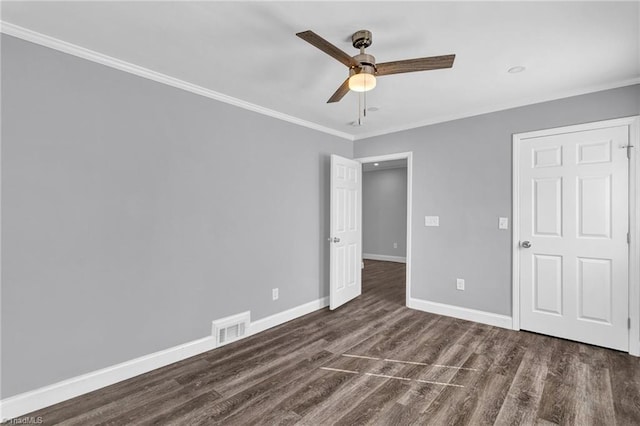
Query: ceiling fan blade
(328, 48)
(419, 64)
(339, 94)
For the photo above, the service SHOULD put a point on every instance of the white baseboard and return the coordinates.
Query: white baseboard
(384, 257)
(288, 315)
(37, 399)
(462, 313)
(27, 402)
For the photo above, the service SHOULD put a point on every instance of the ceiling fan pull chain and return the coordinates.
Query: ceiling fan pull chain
(359, 109)
(364, 108)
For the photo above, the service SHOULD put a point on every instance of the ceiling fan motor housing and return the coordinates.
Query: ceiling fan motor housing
(365, 59)
(367, 69)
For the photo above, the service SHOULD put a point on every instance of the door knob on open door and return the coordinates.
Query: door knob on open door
(336, 240)
(526, 244)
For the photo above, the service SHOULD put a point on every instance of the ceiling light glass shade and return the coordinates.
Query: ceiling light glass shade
(362, 82)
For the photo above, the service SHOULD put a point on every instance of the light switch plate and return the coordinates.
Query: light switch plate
(503, 223)
(432, 221)
(459, 284)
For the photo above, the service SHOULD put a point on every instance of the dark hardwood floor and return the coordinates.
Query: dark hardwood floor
(375, 361)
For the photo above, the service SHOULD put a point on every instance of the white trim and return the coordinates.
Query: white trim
(93, 56)
(409, 222)
(384, 257)
(409, 157)
(594, 125)
(515, 234)
(288, 315)
(500, 107)
(634, 230)
(27, 402)
(634, 217)
(474, 315)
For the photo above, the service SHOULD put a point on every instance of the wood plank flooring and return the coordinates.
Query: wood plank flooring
(376, 362)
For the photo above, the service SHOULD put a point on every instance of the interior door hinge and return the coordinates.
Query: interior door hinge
(629, 323)
(628, 238)
(628, 150)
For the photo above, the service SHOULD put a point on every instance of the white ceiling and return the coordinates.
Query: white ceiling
(249, 51)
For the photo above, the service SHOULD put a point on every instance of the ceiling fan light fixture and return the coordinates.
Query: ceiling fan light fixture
(362, 80)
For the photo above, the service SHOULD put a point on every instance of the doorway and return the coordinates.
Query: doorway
(575, 271)
(390, 244)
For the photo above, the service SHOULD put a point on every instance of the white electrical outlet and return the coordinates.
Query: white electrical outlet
(503, 223)
(274, 294)
(460, 284)
(395, 245)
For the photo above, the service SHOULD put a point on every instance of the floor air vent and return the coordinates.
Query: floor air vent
(230, 329)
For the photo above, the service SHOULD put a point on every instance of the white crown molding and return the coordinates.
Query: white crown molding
(501, 107)
(90, 55)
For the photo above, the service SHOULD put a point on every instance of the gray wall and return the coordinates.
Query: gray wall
(462, 173)
(384, 212)
(134, 214)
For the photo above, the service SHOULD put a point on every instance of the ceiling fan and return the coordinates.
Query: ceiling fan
(363, 69)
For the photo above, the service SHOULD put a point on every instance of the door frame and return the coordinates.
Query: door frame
(633, 123)
(409, 157)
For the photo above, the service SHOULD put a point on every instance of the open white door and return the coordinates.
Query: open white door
(346, 231)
